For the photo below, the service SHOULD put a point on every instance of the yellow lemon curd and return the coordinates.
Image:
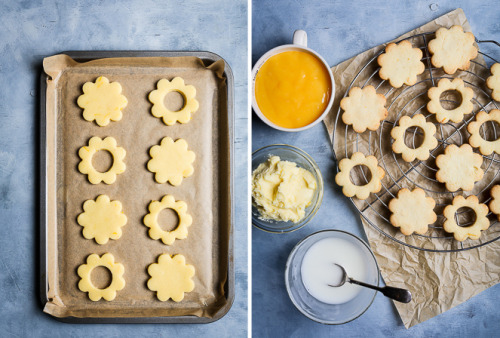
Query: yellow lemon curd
(292, 89)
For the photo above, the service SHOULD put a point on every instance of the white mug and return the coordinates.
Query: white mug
(299, 44)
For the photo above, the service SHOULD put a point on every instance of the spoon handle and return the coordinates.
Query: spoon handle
(400, 295)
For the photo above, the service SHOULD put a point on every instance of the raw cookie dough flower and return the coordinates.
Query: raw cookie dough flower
(117, 282)
(171, 161)
(102, 219)
(171, 277)
(102, 101)
(157, 98)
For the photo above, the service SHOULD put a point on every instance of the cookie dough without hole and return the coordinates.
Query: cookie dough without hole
(171, 277)
(493, 82)
(400, 64)
(495, 201)
(102, 101)
(455, 115)
(476, 140)
(473, 231)
(171, 161)
(423, 151)
(363, 109)
(151, 220)
(412, 211)
(117, 282)
(102, 219)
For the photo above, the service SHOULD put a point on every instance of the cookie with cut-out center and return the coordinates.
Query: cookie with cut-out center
(481, 222)
(423, 151)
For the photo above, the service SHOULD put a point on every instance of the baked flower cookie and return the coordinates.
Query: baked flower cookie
(363, 109)
(423, 151)
(493, 82)
(455, 115)
(171, 161)
(452, 49)
(151, 220)
(157, 98)
(102, 219)
(495, 201)
(476, 140)
(459, 168)
(412, 211)
(473, 231)
(360, 191)
(400, 64)
(102, 101)
(171, 277)
(117, 282)
(87, 152)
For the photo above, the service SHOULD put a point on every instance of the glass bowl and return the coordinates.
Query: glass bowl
(322, 312)
(303, 160)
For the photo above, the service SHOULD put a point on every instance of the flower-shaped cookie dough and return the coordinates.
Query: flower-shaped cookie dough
(102, 219)
(171, 277)
(400, 64)
(473, 231)
(360, 191)
(455, 115)
(412, 211)
(363, 109)
(157, 98)
(87, 152)
(117, 282)
(452, 49)
(459, 168)
(493, 82)
(423, 151)
(171, 161)
(495, 201)
(102, 101)
(151, 220)
(475, 140)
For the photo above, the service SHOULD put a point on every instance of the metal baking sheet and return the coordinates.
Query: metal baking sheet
(83, 56)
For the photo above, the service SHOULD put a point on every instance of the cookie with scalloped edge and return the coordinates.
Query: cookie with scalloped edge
(493, 81)
(363, 109)
(412, 211)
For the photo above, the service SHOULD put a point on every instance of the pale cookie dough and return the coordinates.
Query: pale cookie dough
(459, 168)
(423, 151)
(400, 64)
(452, 49)
(281, 190)
(151, 220)
(171, 161)
(412, 211)
(363, 109)
(493, 82)
(117, 282)
(96, 144)
(455, 115)
(159, 109)
(171, 277)
(473, 231)
(102, 219)
(495, 201)
(475, 139)
(102, 101)
(360, 191)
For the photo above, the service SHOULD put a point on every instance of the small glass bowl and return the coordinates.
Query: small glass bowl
(315, 309)
(303, 160)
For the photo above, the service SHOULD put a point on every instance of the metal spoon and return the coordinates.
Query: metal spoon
(401, 295)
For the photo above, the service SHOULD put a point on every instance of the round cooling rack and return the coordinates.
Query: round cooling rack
(412, 100)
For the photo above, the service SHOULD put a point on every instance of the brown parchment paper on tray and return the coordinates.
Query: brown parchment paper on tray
(438, 281)
(206, 192)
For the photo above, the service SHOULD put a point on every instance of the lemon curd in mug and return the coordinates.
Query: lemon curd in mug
(292, 89)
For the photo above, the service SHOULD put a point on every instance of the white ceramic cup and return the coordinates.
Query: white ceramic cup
(299, 44)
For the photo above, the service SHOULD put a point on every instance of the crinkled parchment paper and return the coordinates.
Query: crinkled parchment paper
(206, 192)
(437, 280)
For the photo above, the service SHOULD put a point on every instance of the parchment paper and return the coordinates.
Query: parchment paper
(206, 192)
(438, 281)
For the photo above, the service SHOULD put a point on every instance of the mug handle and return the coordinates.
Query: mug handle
(300, 38)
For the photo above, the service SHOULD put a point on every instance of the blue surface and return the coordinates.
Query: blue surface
(339, 30)
(31, 30)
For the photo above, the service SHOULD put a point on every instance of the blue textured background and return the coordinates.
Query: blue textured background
(31, 30)
(339, 30)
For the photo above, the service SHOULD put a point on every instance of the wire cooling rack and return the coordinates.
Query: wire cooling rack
(411, 100)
